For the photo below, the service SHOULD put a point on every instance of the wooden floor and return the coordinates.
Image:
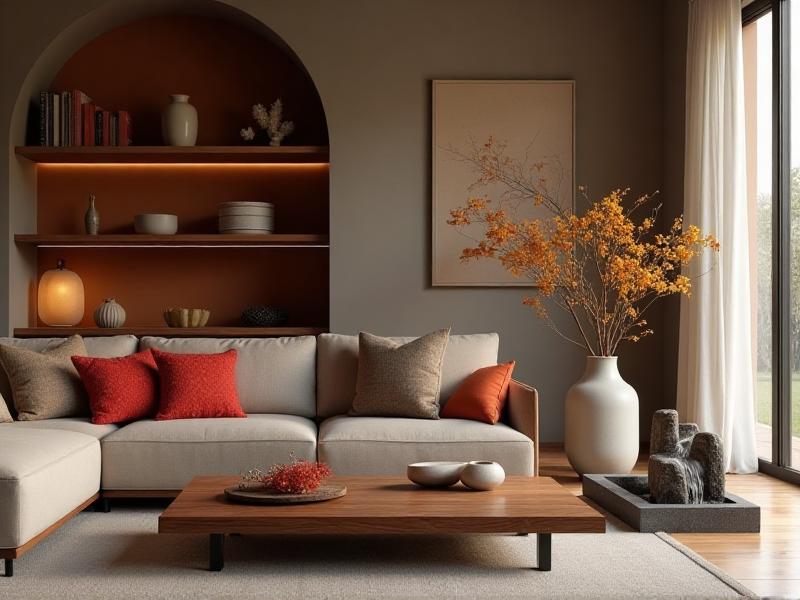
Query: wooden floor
(767, 562)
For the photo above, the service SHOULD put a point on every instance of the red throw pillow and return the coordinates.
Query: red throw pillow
(120, 389)
(481, 396)
(197, 386)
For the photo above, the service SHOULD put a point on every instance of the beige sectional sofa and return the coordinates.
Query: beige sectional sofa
(296, 391)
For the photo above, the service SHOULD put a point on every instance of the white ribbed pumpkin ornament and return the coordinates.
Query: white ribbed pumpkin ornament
(109, 314)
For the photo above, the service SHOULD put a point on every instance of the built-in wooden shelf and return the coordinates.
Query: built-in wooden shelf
(190, 240)
(174, 154)
(214, 332)
(198, 267)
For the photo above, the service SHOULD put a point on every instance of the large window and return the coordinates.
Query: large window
(757, 50)
(772, 107)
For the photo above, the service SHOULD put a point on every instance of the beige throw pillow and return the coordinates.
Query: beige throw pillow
(45, 385)
(399, 380)
(5, 415)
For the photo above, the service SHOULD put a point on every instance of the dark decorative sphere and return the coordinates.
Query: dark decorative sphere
(264, 316)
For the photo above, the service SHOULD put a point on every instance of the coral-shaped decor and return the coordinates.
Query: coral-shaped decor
(296, 477)
(270, 121)
(299, 477)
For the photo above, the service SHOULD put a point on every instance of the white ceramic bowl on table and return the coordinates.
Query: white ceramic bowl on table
(483, 475)
(155, 224)
(435, 473)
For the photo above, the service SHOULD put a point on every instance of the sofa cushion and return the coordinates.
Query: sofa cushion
(399, 380)
(76, 424)
(45, 385)
(273, 375)
(337, 366)
(44, 475)
(104, 347)
(166, 455)
(385, 446)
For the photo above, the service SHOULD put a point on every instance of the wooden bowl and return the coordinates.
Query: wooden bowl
(186, 317)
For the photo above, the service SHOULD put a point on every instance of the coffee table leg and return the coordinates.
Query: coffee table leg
(543, 551)
(216, 557)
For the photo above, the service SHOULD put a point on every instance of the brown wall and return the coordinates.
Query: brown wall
(676, 14)
(372, 63)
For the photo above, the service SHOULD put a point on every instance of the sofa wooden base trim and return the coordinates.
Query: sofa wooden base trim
(140, 493)
(9, 554)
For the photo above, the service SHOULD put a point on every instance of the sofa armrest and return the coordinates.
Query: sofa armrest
(523, 415)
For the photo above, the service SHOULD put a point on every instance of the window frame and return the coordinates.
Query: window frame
(780, 465)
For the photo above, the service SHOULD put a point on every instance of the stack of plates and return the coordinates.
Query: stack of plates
(245, 217)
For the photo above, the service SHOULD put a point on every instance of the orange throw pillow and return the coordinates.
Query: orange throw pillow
(481, 396)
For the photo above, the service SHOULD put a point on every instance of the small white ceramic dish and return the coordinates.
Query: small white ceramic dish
(155, 224)
(483, 475)
(435, 473)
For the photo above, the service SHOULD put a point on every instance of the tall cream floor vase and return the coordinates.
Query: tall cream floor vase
(601, 429)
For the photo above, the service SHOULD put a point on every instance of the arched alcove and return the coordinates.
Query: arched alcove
(223, 67)
(225, 61)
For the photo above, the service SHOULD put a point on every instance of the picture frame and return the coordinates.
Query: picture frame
(535, 119)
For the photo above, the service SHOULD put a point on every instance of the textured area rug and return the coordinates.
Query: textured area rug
(121, 555)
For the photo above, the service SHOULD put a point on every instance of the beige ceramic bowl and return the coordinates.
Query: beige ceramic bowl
(155, 224)
(435, 473)
(186, 317)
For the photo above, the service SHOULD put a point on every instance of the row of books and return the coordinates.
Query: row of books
(71, 119)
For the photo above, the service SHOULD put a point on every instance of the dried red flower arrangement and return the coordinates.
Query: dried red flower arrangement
(296, 477)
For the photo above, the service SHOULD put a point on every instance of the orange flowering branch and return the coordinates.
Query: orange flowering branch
(604, 268)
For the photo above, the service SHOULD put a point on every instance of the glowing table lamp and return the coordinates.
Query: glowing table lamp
(60, 297)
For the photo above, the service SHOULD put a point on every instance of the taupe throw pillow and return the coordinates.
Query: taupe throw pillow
(399, 380)
(45, 385)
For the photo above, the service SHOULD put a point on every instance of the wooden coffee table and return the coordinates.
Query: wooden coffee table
(387, 505)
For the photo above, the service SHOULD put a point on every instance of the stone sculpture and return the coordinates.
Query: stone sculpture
(686, 466)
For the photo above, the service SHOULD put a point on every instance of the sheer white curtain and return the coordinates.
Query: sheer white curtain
(715, 377)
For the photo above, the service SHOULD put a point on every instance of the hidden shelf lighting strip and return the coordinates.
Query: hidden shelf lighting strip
(191, 165)
(145, 246)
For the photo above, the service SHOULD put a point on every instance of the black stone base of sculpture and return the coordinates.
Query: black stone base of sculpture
(626, 496)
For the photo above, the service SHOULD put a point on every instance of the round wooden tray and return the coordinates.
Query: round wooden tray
(267, 496)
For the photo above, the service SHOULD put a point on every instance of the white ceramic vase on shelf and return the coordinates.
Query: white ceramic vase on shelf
(179, 122)
(601, 420)
(109, 314)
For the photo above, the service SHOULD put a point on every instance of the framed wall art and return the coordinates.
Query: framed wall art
(530, 121)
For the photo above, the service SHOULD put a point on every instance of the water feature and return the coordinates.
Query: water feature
(683, 446)
(685, 485)
(686, 465)
(692, 469)
(694, 480)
